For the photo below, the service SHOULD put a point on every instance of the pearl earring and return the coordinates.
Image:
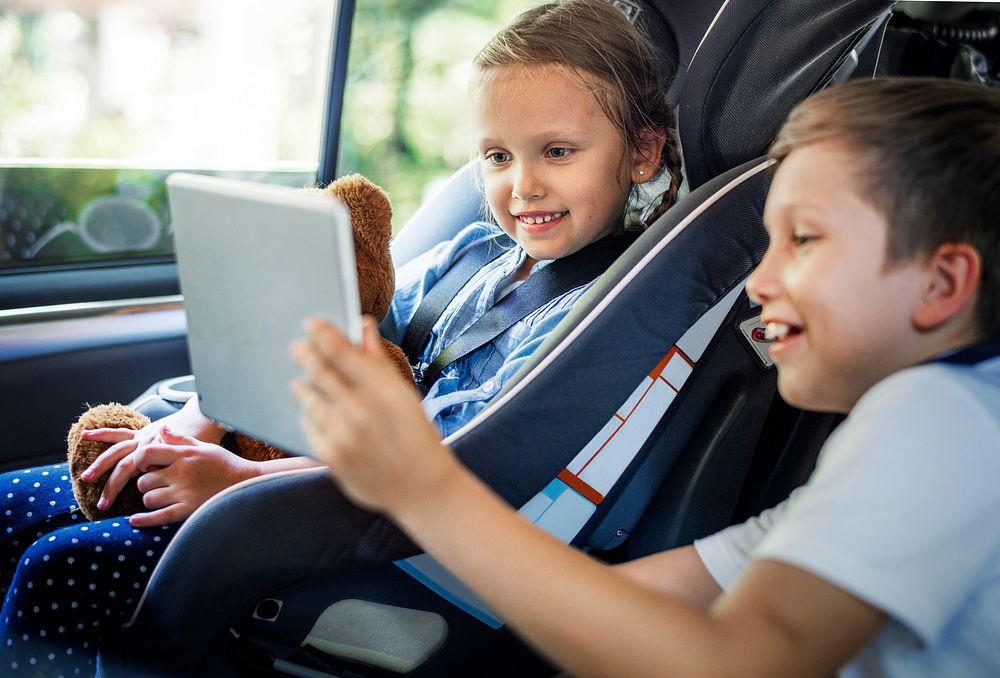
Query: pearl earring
(641, 172)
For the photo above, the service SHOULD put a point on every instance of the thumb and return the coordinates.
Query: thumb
(370, 338)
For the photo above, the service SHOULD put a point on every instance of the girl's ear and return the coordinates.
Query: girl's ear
(954, 272)
(647, 156)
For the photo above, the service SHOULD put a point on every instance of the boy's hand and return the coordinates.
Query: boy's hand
(365, 423)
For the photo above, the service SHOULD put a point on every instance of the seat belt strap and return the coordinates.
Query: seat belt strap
(436, 300)
(554, 280)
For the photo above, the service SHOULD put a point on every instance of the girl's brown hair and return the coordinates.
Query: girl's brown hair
(594, 38)
(928, 159)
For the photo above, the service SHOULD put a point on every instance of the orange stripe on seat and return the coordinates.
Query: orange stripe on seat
(585, 490)
(658, 370)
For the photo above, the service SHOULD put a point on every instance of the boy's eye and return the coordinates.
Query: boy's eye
(802, 239)
(559, 152)
(497, 157)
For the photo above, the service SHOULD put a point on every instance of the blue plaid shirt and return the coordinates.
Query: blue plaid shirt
(467, 385)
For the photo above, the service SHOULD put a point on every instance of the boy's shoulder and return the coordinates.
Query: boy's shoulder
(938, 394)
(921, 429)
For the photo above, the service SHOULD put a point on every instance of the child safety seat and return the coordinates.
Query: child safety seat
(641, 413)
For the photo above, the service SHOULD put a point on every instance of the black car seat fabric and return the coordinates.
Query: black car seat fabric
(689, 265)
(758, 60)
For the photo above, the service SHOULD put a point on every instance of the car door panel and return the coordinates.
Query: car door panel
(52, 370)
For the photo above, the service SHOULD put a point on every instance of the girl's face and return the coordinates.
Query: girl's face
(553, 164)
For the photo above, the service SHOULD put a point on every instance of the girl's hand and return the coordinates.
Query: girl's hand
(124, 441)
(179, 475)
(364, 422)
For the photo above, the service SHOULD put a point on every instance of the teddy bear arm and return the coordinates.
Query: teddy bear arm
(396, 355)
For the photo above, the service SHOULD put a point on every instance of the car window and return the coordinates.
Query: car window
(102, 100)
(405, 120)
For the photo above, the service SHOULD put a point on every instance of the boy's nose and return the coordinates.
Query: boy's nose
(763, 285)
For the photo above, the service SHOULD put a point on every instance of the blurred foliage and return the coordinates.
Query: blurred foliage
(406, 119)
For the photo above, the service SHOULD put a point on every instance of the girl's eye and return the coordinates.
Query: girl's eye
(497, 157)
(559, 152)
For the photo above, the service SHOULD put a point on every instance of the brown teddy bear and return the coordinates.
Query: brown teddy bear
(371, 219)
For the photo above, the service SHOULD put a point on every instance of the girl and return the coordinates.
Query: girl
(570, 118)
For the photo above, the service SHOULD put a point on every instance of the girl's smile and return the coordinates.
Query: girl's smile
(539, 222)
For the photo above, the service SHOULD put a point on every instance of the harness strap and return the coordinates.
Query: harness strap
(444, 290)
(554, 280)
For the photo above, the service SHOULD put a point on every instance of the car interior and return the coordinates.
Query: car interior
(648, 419)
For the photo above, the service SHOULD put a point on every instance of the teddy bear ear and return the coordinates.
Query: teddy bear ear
(371, 212)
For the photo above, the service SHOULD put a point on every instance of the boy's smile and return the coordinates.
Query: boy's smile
(554, 166)
(839, 315)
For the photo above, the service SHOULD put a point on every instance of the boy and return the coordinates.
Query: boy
(881, 293)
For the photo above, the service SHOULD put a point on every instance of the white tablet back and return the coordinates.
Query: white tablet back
(254, 261)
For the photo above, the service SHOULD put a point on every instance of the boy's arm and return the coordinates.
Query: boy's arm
(679, 572)
(778, 621)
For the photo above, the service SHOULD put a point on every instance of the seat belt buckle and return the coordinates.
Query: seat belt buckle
(418, 377)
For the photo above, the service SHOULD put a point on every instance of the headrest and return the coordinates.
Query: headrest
(675, 29)
(743, 64)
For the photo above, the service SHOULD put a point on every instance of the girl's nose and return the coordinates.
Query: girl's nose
(527, 185)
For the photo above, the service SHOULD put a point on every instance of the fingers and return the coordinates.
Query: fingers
(109, 458)
(172, 438)
(146, 459)
(151, 481)
(312, 403)
(327, 354)
(370, 343)
(164, 516)
(323, 376)
(326, 339)
(109, 435)
(159, 498)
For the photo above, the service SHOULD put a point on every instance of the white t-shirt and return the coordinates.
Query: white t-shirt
(903, 511)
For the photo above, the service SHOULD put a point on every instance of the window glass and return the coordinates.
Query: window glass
(406, 119)
(102, 99)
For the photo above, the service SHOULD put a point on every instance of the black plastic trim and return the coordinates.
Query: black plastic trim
(43, 288)
(339, 50)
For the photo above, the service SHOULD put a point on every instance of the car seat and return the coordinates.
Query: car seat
(658, 368)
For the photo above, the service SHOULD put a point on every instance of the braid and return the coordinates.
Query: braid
(670, 157)
(672, 166)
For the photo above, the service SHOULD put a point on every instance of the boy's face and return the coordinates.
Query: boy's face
(840, 315)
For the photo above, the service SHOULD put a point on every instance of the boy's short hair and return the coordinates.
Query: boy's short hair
(929, 152)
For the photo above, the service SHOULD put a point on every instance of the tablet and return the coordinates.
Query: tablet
(254, 261)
